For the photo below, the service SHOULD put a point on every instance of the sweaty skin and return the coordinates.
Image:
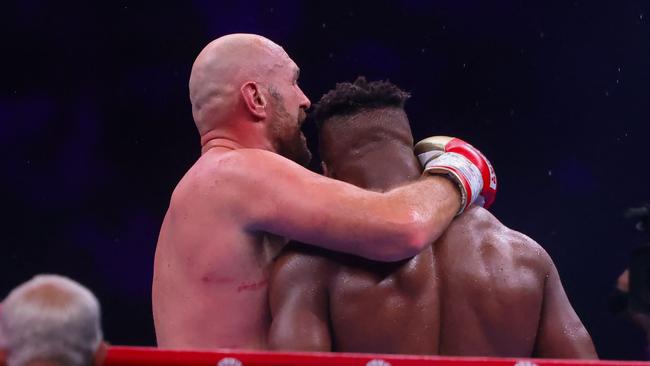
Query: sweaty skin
(229, 215)
(480, 289)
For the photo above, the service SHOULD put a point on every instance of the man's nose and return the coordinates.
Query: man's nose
(305, 102)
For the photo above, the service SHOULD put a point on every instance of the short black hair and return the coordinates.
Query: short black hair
(350, 98)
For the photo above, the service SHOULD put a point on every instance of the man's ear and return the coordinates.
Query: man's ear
(254, 99)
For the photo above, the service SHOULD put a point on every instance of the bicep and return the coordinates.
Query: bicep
(561, 334)
(299, 305)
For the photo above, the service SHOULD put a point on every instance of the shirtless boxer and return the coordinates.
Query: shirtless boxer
(230, 213)
(481, 289)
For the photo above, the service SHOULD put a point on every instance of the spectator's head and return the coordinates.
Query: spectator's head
(50, 320)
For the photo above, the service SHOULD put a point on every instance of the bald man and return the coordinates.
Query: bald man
(235, 208)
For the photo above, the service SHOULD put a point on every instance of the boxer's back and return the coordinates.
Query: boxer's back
(492, 285)
(477, 291)
(207, 264)
(480, 289)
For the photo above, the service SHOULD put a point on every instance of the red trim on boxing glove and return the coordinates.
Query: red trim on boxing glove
(477, 158)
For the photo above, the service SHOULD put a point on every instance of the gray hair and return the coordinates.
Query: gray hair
(51, 318)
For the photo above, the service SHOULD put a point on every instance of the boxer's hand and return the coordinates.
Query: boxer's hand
(464, 164)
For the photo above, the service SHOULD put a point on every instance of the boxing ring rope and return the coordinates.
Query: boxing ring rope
(140, 356)
(145, 356)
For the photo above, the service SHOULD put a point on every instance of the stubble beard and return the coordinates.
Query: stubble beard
(287, 138)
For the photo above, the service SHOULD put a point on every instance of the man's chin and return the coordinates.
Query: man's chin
(306, 159)
(297, 150)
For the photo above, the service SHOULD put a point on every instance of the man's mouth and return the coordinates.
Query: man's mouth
(302, 116)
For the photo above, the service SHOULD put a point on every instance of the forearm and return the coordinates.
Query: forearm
(420, 213)
(380, 226)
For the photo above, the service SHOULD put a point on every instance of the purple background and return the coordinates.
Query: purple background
(96, 129)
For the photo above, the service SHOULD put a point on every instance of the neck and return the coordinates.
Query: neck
(381, 169)
(251, 137)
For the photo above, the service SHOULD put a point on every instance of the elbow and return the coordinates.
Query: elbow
(417, 239)
(412, 237)
(422, 231)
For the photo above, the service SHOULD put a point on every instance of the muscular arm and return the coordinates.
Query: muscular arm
(299, 303)
(561, 333)
(272, 194)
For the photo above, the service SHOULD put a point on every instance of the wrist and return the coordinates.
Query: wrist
(451, 187)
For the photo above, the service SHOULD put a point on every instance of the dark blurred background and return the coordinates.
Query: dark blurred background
(96, 129)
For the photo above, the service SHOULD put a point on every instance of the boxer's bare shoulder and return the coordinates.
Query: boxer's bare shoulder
(217, 169)
(514, 284)
(228, 180)
(503, 270)
(496, 245)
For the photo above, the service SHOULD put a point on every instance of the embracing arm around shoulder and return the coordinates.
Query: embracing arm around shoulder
(561, 334)
(273, 194)
(298, 299)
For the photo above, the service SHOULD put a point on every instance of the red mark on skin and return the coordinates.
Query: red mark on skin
(219, 280)
(251, 286)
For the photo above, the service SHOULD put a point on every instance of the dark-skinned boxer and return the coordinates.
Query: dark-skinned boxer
(481, 289)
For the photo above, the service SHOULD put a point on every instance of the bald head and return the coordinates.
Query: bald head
(221, 69)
